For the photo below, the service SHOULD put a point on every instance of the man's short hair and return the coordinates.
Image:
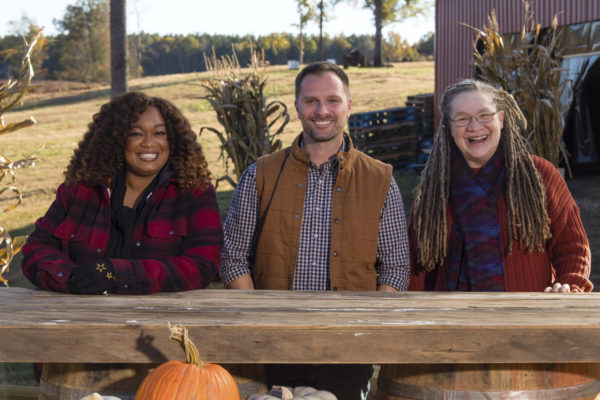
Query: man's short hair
(321, 67)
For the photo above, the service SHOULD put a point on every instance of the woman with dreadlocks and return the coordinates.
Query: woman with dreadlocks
(487, 215)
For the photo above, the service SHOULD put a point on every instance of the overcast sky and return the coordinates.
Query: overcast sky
(255, 17)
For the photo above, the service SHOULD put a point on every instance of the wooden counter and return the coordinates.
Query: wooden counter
(302, 327)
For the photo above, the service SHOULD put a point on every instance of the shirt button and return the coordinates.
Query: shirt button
(59, 274)
(98, 250)
(335, 253)
(293, 248)
(138, 244)
(72, 235)
(336, 220)
(301, 185)
(342, 158)
(297, 216)
(339, 189)
(171, 232)
(335, 288)
(125, 286)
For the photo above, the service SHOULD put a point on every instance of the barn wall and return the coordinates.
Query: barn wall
(453, 42)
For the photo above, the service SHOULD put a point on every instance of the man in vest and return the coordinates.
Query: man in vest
(319, 215)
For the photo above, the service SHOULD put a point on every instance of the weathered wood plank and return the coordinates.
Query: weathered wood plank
(311, 327)
(15, 392)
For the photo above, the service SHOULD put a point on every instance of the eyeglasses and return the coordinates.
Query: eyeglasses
(465, 120)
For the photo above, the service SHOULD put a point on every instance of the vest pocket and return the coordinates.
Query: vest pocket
(271, 281)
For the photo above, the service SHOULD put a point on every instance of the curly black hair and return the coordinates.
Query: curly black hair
(101, 152)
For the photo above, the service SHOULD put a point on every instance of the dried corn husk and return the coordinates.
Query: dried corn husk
(250, 123)
(530, 71)
(11, 93)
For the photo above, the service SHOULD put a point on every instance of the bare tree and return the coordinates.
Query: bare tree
(306, 12)
(118, 48)
(324, 8)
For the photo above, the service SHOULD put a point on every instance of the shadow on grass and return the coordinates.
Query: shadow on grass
(586, 192)
(407, 179)
(93, 94)
(224, 200)
(20, 374)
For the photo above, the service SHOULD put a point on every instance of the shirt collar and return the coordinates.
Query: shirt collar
(344, 148)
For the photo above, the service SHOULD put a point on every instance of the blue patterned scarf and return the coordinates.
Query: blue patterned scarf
(475, 259)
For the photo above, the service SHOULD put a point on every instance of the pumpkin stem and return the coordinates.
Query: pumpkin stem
(180, 334)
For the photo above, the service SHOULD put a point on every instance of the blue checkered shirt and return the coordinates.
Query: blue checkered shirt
(312, 268)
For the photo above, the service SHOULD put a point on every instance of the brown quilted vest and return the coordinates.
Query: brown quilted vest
(359, 192)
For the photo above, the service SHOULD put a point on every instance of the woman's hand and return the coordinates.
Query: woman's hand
(558, 288)
(94, 277)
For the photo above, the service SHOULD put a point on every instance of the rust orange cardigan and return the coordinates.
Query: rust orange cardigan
(566, 258)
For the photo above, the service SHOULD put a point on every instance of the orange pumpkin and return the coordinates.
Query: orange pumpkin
(190, 380)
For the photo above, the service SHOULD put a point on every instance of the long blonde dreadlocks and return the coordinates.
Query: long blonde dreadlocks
(528, 220)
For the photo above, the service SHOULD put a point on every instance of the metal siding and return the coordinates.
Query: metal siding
(453, 42)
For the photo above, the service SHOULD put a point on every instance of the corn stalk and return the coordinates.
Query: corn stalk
(11, 94)
(250, 124)
(530, 71)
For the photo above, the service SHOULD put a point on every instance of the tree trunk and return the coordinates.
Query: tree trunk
(118, 48)
(377, 62)
(321, 15)
(301, 48)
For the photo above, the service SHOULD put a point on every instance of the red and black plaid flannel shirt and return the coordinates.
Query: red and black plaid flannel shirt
(176, 247)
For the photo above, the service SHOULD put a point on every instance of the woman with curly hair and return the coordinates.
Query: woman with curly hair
(137, 212)
(487, 215)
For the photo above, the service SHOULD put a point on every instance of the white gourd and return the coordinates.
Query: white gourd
(298, 393)
(302, 390)
(258, 396)
(96, 396)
